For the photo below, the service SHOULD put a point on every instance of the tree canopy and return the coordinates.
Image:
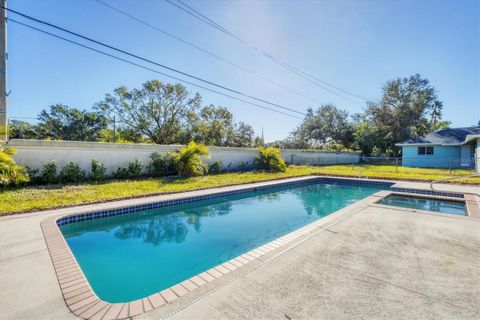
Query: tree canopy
(212, 125)
(65, 123)
(409, 108)
(327, 124)
(18, 129)
(157, 112)
(166, 113)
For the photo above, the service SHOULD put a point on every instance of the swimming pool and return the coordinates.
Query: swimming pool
(429, 204)
(131, 256)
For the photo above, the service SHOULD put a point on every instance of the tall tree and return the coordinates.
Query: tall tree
(22, 130)
(215, 126)
(244, 136)
(436, 111)
(436, 122)
(365, 134)
(258, 142)
(327, 124)
(409, 108)
(158, 111)
(61, 122)
(212, 126)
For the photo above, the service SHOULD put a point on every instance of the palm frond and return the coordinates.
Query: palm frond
(10, 172)
(269, 159)
(188, 159)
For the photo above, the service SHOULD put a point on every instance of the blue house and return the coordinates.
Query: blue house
(446, 148)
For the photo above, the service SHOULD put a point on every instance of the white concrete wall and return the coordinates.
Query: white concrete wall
(319, 158)
(36, 153)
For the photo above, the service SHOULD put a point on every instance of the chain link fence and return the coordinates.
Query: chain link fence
(449, 163)
(398, 165)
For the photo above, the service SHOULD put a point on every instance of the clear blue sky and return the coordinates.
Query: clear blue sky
(355, 45)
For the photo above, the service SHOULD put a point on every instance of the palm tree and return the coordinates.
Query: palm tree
(436, 113)
(269, 159)
(189, 163)
(10, 173)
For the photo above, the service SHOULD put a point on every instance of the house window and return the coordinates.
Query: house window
(425, 151)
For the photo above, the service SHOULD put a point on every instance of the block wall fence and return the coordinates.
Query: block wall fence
(36, 153)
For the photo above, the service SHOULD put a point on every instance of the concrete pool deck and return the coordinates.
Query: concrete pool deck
(370, 263)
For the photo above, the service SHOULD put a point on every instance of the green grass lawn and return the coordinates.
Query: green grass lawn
(43, 197)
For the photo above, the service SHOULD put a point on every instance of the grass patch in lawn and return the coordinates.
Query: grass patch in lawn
(44, 197)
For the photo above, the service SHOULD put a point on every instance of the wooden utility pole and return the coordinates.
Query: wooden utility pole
(3, 72)
(114, 130)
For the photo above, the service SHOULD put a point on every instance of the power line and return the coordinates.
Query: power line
(294, 69)
(152, 62)
(191, 11)
(149, 69)
(168, 34)
(196, 14)
(31, 118)
(199, 16)
(331, 85)
(285, 65)
(204, 17)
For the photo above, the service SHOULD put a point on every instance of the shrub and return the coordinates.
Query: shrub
(244, 166)
(10, 172)
(33, 175)
(97, 170)
(188, 161)
(269, 159)
(134, 168)
(161, 165)
(215, 167)
(129, 171)
(121, 173)
(49, 173)
(72, 173)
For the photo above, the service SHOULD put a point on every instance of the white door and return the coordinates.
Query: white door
(466, 155)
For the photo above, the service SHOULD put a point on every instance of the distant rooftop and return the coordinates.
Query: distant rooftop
(450, 136)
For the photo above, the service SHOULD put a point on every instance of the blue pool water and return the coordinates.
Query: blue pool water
(134, 255)
(437, 205)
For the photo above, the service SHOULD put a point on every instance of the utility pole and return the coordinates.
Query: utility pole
(263, 140)
(3, 72)
(114, 130)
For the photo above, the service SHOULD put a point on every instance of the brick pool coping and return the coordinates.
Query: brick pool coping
(83, 302)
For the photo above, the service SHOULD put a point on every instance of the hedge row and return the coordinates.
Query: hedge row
(159, 165)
